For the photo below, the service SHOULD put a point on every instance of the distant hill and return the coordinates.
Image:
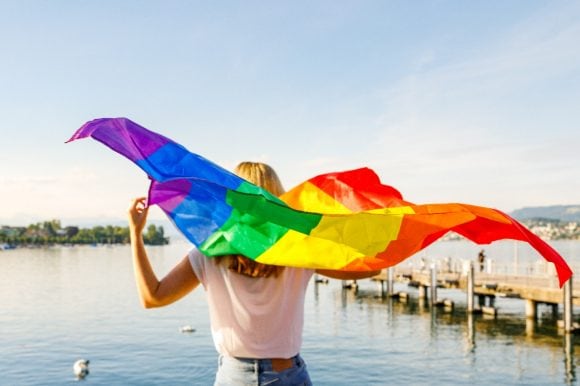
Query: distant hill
(556, 212)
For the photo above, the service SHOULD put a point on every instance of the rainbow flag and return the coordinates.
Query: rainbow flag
(341, 221)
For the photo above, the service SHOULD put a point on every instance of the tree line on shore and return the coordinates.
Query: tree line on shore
(52, 233)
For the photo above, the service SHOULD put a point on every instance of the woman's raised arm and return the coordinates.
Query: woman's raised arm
(153, 292)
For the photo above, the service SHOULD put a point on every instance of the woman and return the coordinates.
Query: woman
(256, 310)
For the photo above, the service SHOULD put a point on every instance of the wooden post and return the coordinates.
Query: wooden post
(568, 306)
(470, 289)
(433, 285)
(390, 282)
(381, 285)
(554, 310)
(530, 327)
(422, 291)
(531, 309)
(481, 300)
(470, 331)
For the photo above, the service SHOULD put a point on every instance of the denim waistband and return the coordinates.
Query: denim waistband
(259, 365)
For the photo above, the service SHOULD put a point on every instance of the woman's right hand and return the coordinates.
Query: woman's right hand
(153, 292)
(138, 214)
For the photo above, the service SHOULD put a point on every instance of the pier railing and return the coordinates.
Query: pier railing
(536, 283)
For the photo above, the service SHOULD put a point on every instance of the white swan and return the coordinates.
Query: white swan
(81, 368)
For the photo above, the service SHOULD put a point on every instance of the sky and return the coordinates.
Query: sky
(448, 101)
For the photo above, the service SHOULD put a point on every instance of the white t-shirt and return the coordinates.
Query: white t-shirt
(253, 317)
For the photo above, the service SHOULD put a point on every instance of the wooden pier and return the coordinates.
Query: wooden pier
(485, 288)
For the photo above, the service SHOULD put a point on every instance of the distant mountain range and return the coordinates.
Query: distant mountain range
(555, 212)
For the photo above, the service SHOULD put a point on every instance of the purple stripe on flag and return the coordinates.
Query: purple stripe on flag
(168, 195)
(198, 208)
(123, 136)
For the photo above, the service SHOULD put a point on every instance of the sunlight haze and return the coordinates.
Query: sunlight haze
(448, 101)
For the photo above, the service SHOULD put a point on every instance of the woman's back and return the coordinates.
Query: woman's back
(253, 317)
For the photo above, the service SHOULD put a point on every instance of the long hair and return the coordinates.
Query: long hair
(265, 177)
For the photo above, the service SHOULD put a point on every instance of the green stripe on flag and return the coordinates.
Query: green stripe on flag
(256, 223)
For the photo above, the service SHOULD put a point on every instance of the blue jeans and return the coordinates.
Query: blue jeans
(241, 371)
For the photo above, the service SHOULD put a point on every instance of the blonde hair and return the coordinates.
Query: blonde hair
(265, 177)
(262, 175)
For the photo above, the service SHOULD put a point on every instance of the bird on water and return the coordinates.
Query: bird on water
(81, 368)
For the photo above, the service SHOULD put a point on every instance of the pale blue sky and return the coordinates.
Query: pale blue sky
(449, 101)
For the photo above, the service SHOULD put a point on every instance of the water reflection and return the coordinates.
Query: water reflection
(569, 359)
(470, 333)
(530, 327)
(508, 329)
(65, 303)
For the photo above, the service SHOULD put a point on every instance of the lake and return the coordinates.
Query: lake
(64, 303)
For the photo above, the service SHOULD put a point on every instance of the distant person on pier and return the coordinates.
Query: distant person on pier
(481, 260)
(256, 310)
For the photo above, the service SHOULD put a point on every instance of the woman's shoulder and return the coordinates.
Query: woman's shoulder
(195, 253)
(195, 256)
(199, 262)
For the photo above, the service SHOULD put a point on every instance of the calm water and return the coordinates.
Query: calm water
(61, 304)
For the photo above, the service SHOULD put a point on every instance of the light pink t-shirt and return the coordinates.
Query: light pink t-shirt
(253, 317)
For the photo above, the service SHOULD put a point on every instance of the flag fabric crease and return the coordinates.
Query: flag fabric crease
(341, 221)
